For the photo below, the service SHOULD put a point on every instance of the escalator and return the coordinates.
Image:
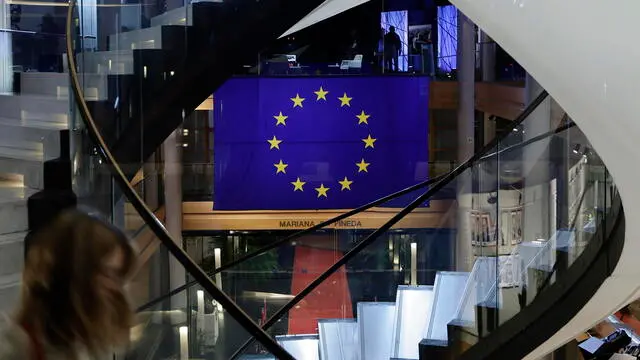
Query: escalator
(510, 293)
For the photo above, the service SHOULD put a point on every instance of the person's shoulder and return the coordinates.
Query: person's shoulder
(14, 342)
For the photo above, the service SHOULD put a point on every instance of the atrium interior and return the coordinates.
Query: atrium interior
(339, 179)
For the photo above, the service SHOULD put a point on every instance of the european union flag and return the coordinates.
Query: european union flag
(318, 143)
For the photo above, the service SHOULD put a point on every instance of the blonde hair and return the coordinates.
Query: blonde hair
(62, 301)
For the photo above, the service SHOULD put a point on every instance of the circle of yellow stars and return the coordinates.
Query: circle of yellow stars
(281, 120)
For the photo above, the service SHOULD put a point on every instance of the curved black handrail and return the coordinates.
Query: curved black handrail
(444, 181)
(295, 236)
(321, 225)
(154, 224)
(563, 299)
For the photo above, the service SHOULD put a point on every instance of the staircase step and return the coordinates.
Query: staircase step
(57, 85)
(112, 62)
(301, 347)
(13, 207)
(47, 134)
(9, 291)
(26, 163)
(448, 291)
(11, 253)
(152, 63)
(375, 329)
(413, 312)
(181, 16)
(157, 37)
(480, 284)
(35, 107)
(338, 339)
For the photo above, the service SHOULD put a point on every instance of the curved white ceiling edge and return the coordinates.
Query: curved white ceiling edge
(586, 54)
(324, 11)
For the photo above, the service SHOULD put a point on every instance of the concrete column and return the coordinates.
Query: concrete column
(150, 182)
(466, 119)
(536, 194)
(487, 57)
(173, 209)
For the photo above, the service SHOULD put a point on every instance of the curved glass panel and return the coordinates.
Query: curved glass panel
(131, 193)
(510, 223)
(525, 212)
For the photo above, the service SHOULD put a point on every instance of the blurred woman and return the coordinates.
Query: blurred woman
(73, 303)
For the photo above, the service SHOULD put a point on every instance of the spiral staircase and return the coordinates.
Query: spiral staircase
(133, 89)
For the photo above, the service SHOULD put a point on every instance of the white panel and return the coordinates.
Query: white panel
(535, 254)
(476, 289)
(375, 323)
(449, 288)
(6, 52)
(301, 347)
(88, 14)
(324, 11)
(594, 77)
(339, 339)
(413, 312)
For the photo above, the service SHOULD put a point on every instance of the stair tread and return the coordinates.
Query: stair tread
(20, 154)
(36, 124)
(35, 97)
(10, 280)
(121, 52)
(15, 193)
(63, 76)
(12, 237)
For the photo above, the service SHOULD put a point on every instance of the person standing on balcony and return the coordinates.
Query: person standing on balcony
(73, 303)
(392, 47)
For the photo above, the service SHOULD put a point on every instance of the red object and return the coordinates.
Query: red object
(630, 320)
(330, 300)
(263, 313)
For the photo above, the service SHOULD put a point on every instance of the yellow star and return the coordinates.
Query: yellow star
(362, 118)
(368, 142)
(275, 143)
(298, 184)
(280, 119)
(322, 191)
(297, 101)
(322, 94)
(362, 166)
(281, 167)
(346, 184)
(345, 100)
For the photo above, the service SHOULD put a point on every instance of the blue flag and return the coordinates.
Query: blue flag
(318, 143)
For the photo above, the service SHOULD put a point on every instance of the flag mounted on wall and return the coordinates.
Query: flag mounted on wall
(318, 143)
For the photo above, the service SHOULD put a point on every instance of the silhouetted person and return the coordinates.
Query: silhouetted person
(392, 46)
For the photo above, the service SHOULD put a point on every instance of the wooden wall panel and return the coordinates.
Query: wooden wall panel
(504, 100)
(199, 216)
(443, 95)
